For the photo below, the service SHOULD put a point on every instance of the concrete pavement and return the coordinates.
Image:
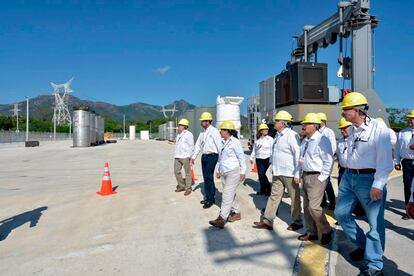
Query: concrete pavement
(53, 223)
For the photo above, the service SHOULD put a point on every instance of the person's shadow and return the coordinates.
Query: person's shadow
(8, 225)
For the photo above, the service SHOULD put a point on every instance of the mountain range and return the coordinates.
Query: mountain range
(41, 107)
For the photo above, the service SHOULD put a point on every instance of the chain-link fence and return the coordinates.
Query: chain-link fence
(12, 136)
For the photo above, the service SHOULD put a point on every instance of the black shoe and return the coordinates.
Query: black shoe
(371, 272)
(405, 217)
(326, 238)
(357, 255)
(331, 206)
(202, 202)
(324, 204)
(208, 204)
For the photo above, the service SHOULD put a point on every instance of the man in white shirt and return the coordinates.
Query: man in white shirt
(341, 154)
(330, 134)
(183, 150)
(369, 163)
(404, 156)
(316, 162)
(209, 144)
(285, 170)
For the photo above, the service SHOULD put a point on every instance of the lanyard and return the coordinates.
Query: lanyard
(225, 145)
(306, 148)
(356, 141)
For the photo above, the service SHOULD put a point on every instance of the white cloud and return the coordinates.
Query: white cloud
(163, 70)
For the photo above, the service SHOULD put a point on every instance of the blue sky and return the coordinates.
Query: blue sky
(156, 52)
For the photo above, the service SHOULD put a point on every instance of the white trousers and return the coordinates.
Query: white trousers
(230, 201)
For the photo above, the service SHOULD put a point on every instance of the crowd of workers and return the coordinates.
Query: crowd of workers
(367, 152)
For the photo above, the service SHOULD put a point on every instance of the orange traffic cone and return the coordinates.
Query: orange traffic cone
(106, 187)
(193, 176)
(254, 170)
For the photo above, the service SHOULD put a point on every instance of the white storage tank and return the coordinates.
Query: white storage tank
(228, 109)
(131, 132)
(81, 128)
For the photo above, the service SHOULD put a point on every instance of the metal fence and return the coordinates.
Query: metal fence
(8, 136)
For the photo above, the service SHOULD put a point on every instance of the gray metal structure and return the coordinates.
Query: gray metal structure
(352, 19)
(193, 116)
(92, 126)
(167, 131)
(81, 128)
(253, 116)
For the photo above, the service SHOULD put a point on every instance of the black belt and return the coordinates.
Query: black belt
(362, 171)
(406, 159)
(210, 153)
(309, 173)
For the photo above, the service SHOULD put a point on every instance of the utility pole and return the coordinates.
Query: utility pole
(27, 118)
(16, 113)
(124, 129)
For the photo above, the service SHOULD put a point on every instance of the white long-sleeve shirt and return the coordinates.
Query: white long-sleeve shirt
(330, 134)
(402, 151)
(342, 151)
(262, 148)
(286, 154)
(184, 145)
(369, 147)
(393, 138)
(317, 156)
(209, 141)
(231, 156)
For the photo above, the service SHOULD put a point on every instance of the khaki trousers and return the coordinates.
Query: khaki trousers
(184, 183)
(279, 183)
(315, 218)
(230, 201)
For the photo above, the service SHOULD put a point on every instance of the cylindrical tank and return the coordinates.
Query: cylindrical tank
(131, 132)
(228, 108)
(81, 128)
(92, 129)
(101, 130)
(171, 130)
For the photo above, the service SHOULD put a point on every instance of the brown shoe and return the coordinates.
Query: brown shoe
(262, 225)
(188, 192)
(178, 190)
(234, 217)
(218, 222)
(308, 237)
(294, 227)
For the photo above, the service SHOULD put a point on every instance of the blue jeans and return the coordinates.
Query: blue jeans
(262, 166)
(208, 164)
(356, 187)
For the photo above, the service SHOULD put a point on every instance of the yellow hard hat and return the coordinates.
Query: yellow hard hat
(184, 122)
(410, 114)
(227, 125)
(353, 99)
(283, 116)
(343, 123)
(379, 119)
(206, 116)
(322, 116)
(311, 118)
(263, 126)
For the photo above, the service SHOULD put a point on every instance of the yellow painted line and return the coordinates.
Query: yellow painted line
(313, 258)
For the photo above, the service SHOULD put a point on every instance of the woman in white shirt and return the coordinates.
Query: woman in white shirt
(262, 150)
(231, 169)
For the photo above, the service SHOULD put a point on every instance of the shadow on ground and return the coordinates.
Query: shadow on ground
(8, 225)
